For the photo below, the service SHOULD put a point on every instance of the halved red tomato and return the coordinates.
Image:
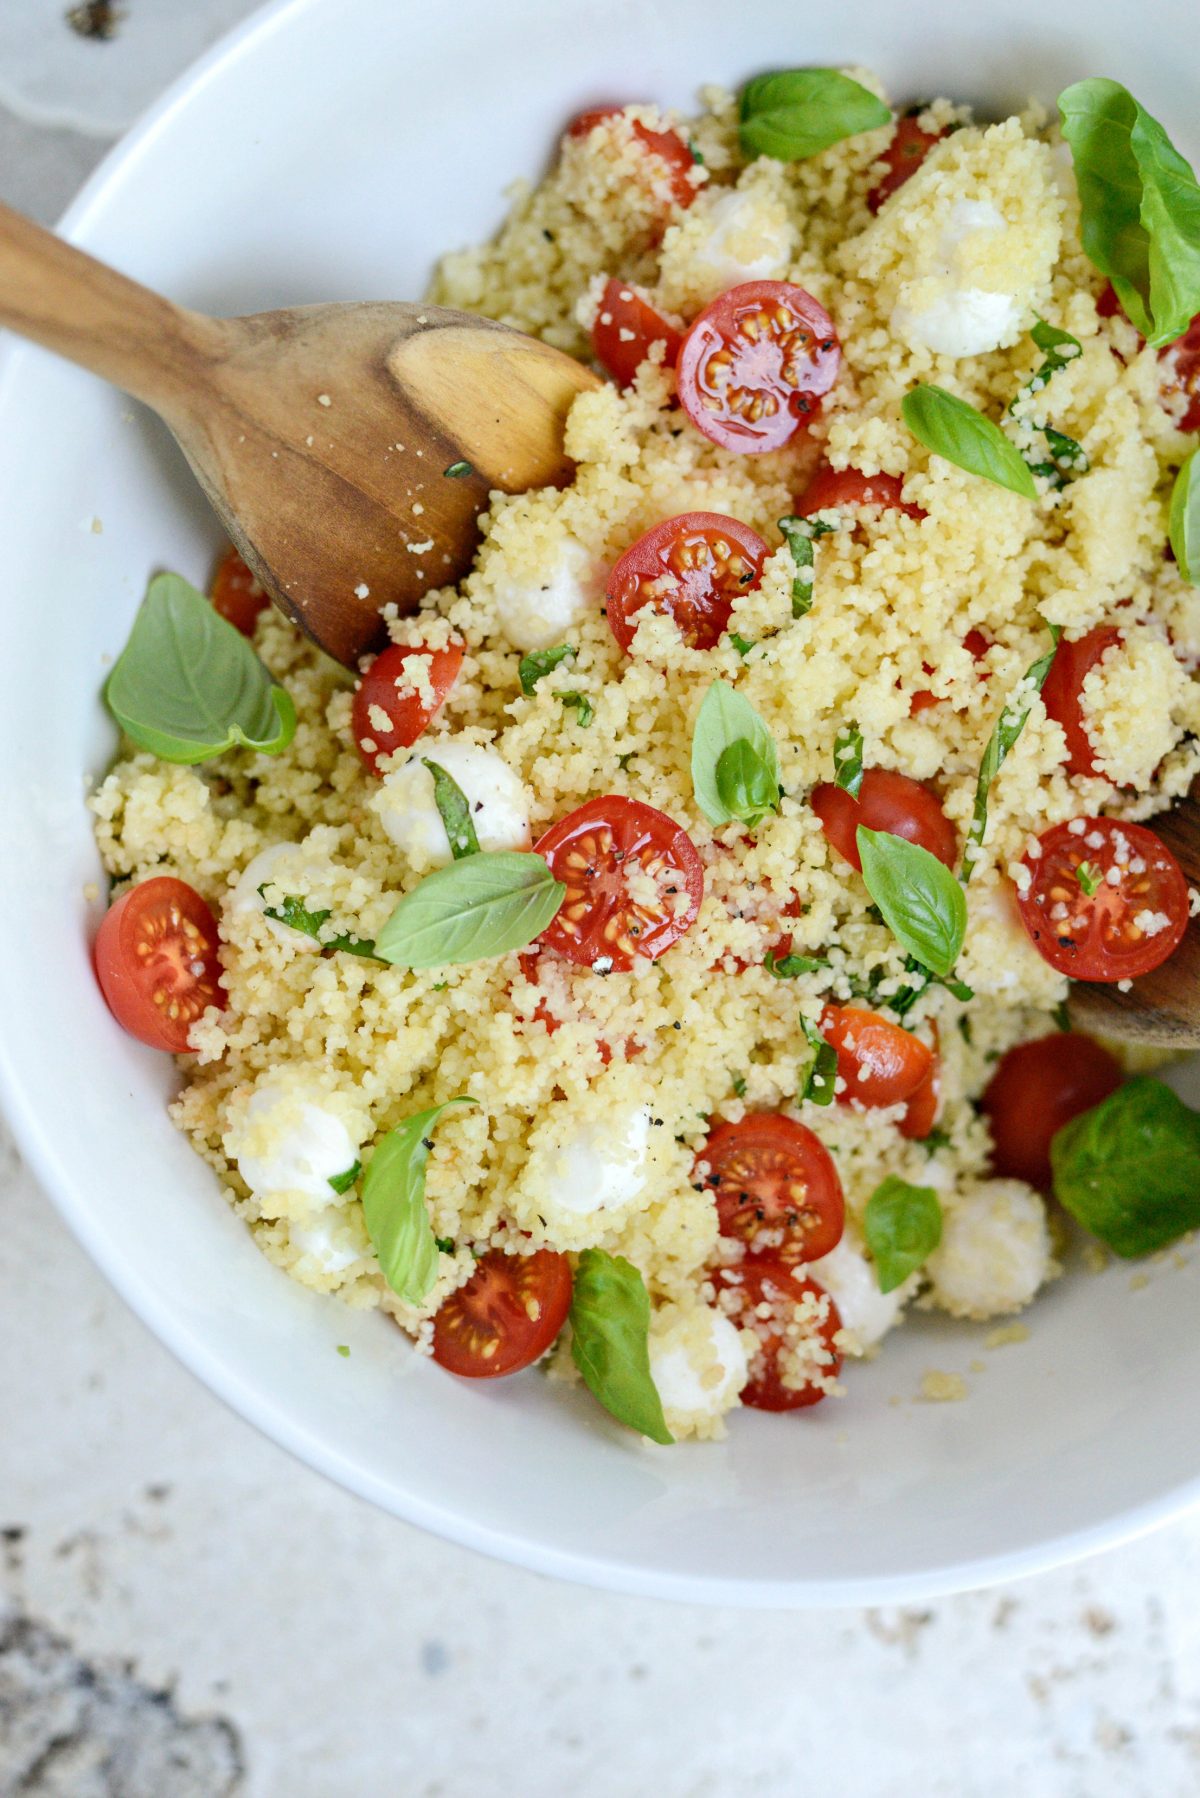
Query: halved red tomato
(833, 487)
(800, 1326)
(388, 713)
(775, 1185)
(880, 1063)
(902, 158)
(886, 801)
(237, 594)
(921, 1112)
(666, 148)
(690, 568)
(634, 883)
(1105, 901)
(1181, 366)
(755, 363)
(1062, 693)
(505, 1317)
(626, 329)
(157, 964)
(1036, 1089)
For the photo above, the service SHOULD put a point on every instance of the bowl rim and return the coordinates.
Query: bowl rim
(244, 1397)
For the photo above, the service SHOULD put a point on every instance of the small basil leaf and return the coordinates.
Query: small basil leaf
(800, 534)
(790, 967)
(343, 1182)
(819, 1081)
(297, 916)
(187, 686)
(848, 759)
(610, 1324)
(454, 810)
(476, 908)
(584, 710)
(393, 1202)
(1140, 207)
(447, 1245)
(725, 718)
(797, 113)
(1185, 519)
(923, 905)
(1008, 728)
(949, 427)
(747, 785)
(1129, 1169)
(542, 661)
(903, 1226)
(1059, 349)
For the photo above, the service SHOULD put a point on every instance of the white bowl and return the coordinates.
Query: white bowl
(328, 150)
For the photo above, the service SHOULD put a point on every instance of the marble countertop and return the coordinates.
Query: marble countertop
(186, 1613)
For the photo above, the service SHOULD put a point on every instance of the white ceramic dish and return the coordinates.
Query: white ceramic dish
(328, 150)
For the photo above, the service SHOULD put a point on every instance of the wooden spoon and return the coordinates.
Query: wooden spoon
(324, 436)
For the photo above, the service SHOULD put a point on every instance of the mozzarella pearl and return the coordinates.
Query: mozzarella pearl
(994, 1252)
(853, 1284)
(291, 1145)
(698, 1362)
(498, 802)
(325, 1241)
(245, 902)
(748, 240)
(959, 318)
(539, 612)
(602, 1167)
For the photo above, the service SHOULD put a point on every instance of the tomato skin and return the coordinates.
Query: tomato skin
(904, 155)
(484, 1331)
(623, 310)
(1036, 1089)
(598, 925)
(1181, 361)
(1062, 691)
(886, 801)
(760, 1280)
(977, 646)
(237, 594)
(775, 1186)
(666, 147)
(408, 712)
(157, 963)
(921, 1112)
(709, 559)
(833, 487)
(530, 961)
(755, 364)
(1097, 937)
(880, 1063)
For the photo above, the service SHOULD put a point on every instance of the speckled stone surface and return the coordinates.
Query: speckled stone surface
(186, 1613)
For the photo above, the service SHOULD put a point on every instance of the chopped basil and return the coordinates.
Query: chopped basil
(610, 1330)
(454, 810)
(343, 1349)
(800, 534)
(903, 1226)
(938, 1138)
(818, 1082)
(1185, 519)
(1059, 349)
(584, 709)
(1129, 1169)
(739, 1085)
(1067, 458)
(1140, 207)
(949, 427)
(1089, 877)
(187, 686)
(790, 967)
(1008, 728)
(297, 916)
(446, 1244)
(695, 152)
(393, 1202)
(735, 768)
(343, 1182)
(743, 645)
(476, 908)
(848, 759)
(542, 661)
(796, 113)
(923, 905)
(457, 470)
(902, 1000)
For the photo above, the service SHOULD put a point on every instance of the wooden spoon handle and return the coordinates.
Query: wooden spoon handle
(74, 305)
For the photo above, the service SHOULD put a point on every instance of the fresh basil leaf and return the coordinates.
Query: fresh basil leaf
(790, 967)
(393, 1202)
(1067, 459)
(187, 686)
(726, 718)
(743, 645)
(848, 759)
(738, 1083)
(903, 1226)
(1008, 728)
(343, 1182)
(818, 1083)
(1140, 207)
(1059, 349)
(800, 534)
(923, 905)
(297, 916)
(1129, 1169)
(1185, 519)
(904, 998)
(747, 783)
(542, 661)
(610, 1325)
(476, 908)
(454, 810)
(584, 709)
(950, 428)
(797, 113)
(446, 1245)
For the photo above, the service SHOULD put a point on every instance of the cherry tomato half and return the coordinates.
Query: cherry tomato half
(690, 568)
(921, 1112)
(755, 363)
(626, 328)
(1181, 366)
(634, 883)
(833, 487)
(507, 1314)
(902, 158)
(886, 801)
(387, 713)
(1062, 693)
(1036, 1089)
(977, 645)
(775, 1185)
(665, 148)
(156, 961)
(803, 1323)
(880, 1063)
(1128, 924)
(237, 594)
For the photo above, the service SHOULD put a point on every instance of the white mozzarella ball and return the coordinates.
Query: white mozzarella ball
(748, 240)
(994, 1252)
(498, 801)
(601, 1167)
(853, 1284)
(540, 610)
(953, 316)
(289, 1145)
(326, 1241)
(246, 902)
(698, 1363)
